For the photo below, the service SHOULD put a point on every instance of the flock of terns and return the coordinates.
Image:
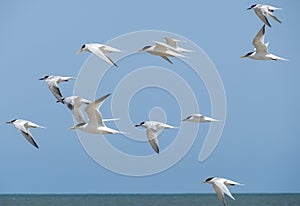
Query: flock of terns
(95, 123)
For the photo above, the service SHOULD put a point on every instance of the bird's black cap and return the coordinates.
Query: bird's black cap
(251, 6)
(139, 124)
(45, 77)
(146, 47)
(208, 179)
(248, 54)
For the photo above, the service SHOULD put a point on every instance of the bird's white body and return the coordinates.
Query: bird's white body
(199, 118)
(220, 186)
(262, 11)
(152, 130)
(95, 124)
(53, 81)
(23, 127)
(100, 50)
(261, 49)
(162, 50)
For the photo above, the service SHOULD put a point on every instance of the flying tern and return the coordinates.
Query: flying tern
(95, 123)
(262, 11)
(261, 49)
(152, 130)
(160, 49)
(23, 126)
(220, 186)
(53, 81)
(199, 118)
(100, 50)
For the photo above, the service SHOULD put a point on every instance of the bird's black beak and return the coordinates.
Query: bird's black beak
(137, 125)
(41, 78)
(249, 8)
(8, 122)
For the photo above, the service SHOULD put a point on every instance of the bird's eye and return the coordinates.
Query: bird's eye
(142, 123)
(83, 46)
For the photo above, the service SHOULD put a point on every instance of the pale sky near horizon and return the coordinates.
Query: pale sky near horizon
(260, 143)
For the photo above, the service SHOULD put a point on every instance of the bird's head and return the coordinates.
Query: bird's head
(247, 55)
(208, 180)
(187, 118)
(12, 121)
(83, 48)
(252, 6)
(45, 77)
(144, 49)
(77, 126)
(141, 124)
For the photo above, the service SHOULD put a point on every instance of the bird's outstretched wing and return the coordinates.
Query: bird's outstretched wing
(274, 17)
(92, 110)
(167, 59)
(222, 187)
(99, 51)
(258, 41)
(29, 138)
(55, 91)
(260, 14)
(152, 138)
(170, 41)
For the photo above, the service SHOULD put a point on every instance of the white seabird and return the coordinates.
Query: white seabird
(262, 11)
(199, 118)
(53, 81)
(95, 123)
(161, 50)
(152, 130)
(220, 186)
(100, 50)
(23, 126)
(261, 49)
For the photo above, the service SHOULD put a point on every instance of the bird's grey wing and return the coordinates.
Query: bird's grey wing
(31, 125)
(274, 17)
(101, 54)
(260, 14)
(152, 138)
(55, 91)
(171, 42)
(258, 41)
(167, 59)
(231, 183)
(92, 110)
(221, 185)
(77, 113)
(220, 194)
(29, 138)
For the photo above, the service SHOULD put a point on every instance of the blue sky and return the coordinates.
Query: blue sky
(259, 145)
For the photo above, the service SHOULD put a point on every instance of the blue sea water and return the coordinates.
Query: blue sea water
(149, 200)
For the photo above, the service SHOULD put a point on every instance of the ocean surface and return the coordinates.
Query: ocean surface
(150, 200)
